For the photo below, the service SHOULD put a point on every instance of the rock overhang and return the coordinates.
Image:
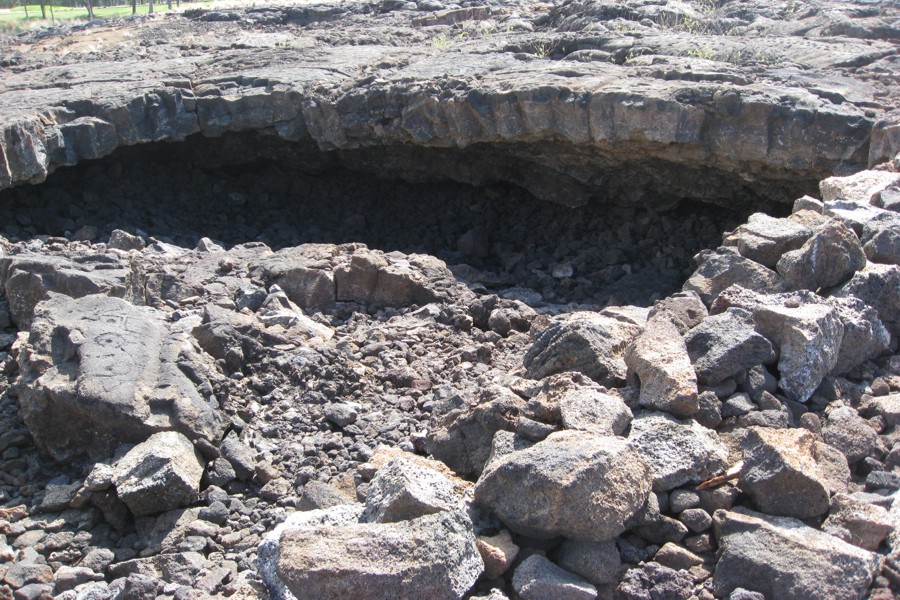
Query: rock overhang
(564, 130)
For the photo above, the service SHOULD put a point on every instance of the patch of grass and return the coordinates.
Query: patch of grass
(15, 19)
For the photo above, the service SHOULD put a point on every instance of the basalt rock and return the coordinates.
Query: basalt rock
(98, 372)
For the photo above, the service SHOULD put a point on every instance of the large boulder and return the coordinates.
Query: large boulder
(878, 286)
(725, 345)
(659, 359)
(462, 427)
(160, 474)
(677, 451)
(97, 372)
(784, 558)
(575, 484)
(327, 554)
(764, 239)
(720, 269)
(402, 490)
(590, 343)
(788, 472)
(829, 258)
(536, 578)
(808, 337)
(28, 279)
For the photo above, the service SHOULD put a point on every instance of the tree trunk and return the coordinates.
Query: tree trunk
(150, 4)
(134, 7)
(44, 10)
(169, 2)
(90, 9)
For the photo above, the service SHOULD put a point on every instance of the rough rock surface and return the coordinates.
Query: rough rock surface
(395, 230)
(790, 473)
(160, 474)
(98, 372)
(783, 558)
(574, 484)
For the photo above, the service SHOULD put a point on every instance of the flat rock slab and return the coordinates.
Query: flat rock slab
(783, 558)
(98, 372)
(434, 556)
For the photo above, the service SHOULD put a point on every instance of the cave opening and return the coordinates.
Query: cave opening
(494, 234)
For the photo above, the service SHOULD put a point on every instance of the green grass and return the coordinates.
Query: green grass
(69, 13)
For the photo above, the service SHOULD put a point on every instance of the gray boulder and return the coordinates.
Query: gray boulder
(785, 559)
(865, 336)
(848, 432)
(857, 522)
(159, 474)
(402, 490)
(462, 427)
(590, 343)
(97, 372)
(788, 472)
(659, 359)
(122, 240)
(585, 406)
(725, 345)
(720, 269)
(764, 239)
(536, 578)
(598, 562)
(808, 337)
(652, 580)
(434, 556)
(884, 246)
(573, 484)
(29, 279)
(685, 310)
(678, 452)
(878, 286)
(827, 259)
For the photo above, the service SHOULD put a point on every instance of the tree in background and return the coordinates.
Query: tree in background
(89, 5)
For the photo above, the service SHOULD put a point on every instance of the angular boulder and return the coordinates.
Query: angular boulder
(434, 556)
(539, 579)
(721, 268)
(160, 474)
(784, 558)
(97, 372)
(590, 343)
(659, 359)
(402, 490)
(764, 239)
(462, 427)
(788, 472)
(827, 259)
(573, 484)
(586, 406)
(678, 452)
(878, 286)
(808, 337)
(725, 345)
(860, 523)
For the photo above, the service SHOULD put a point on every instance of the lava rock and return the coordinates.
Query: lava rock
(659, 359)
(860, 523)
(783, 558)
(159, 474)
(724, 267)
(573, 484)
(403, 490)
(92, 369)
(536, 578)
(808, 338)
(764, 239)
(598, 562)
(725, 345)
(678, 452)
(434, 556)
(790, 473)
(827, 259)
(589, 343)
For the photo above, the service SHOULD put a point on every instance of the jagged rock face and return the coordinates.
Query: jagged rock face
(98, 372)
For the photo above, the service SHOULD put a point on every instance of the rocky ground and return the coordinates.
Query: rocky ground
(491, 300)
